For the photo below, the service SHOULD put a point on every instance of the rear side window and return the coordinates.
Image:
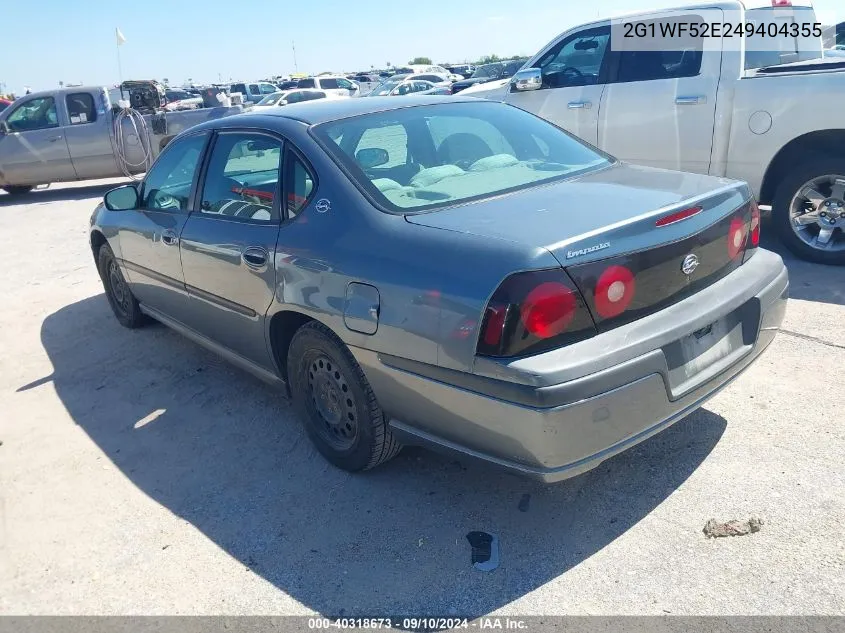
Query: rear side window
(80, 108)
(649, 65)
(432, 78)
(299, 184)
(239, 88)
(242, 177)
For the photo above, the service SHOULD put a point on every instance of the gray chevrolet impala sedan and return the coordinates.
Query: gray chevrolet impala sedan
(447, 272)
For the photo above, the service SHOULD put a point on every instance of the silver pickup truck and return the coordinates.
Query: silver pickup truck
(70, 134)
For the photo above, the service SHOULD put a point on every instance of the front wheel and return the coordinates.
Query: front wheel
(335, 401)
(18, 190)
(808, 211)
(122, 301)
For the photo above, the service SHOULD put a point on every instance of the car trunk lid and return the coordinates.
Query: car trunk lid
(633, 239)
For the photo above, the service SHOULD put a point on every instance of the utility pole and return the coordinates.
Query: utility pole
(295, 65)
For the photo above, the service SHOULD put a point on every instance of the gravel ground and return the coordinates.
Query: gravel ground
(140, 474)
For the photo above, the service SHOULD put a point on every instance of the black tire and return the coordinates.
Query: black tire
(335, 402)
(786, 191)
(122, 301)
(18, 190)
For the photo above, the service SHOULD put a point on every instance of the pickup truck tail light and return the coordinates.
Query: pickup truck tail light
(534, 312)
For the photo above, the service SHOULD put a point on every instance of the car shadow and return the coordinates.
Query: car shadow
(222, 450)
(63, 194)
(807, 281)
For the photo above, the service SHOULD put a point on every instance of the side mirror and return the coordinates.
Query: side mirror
(372, 157)
(123, 198)
(282, 102)
(528, 79)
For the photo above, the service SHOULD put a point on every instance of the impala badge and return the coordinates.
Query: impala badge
(689, 264)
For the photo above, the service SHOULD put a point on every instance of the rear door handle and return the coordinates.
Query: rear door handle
(169, 237)
(579, 105)
(53, 139)
(255, 257)
(691, 100)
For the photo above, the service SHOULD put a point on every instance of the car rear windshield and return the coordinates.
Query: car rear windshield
(431, 156)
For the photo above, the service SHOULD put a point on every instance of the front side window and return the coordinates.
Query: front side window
(426, 157)
(80, 108)
(168, 183)
(345, 84)
(35, 114)
(267, 89)
(576, 61)
(242, 177)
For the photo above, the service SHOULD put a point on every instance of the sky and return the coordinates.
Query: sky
(211, 40)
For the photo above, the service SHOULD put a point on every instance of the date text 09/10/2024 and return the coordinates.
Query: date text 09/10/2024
(418, 624)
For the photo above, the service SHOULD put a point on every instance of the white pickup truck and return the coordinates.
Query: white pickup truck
(774, 118)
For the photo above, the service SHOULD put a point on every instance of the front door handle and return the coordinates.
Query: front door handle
(255, 257)
(691, 100)
(579, 105)
(169, 237)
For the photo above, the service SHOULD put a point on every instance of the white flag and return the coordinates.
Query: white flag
(119, 36)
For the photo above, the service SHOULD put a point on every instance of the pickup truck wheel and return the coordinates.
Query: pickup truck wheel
(333, 398)
(18, 190)
(808, 211)
(122, 301)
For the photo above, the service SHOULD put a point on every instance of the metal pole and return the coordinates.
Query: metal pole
(295, 65)
(119, 66)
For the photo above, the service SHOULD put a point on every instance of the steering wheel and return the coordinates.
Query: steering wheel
(571, 69)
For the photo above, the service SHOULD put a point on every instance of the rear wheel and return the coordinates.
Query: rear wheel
(808, 211)
(18, 190)
(122, 301)
(335, 401)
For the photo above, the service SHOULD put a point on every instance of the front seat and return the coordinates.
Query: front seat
(462, 149)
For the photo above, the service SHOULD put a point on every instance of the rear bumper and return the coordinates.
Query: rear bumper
(556, 415)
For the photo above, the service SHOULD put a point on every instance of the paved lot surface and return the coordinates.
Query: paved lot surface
(140, 474)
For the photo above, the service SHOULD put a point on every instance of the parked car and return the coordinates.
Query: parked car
(449, 272)
(404, 87)
(253, 92)
(284, 97)
(464, 70)
(4, 103)
(663, 109)
(489, 72)
(181, 100)
(335, 85)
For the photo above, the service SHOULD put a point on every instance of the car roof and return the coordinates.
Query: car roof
(313, 113)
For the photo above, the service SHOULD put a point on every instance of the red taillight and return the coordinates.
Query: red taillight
(781, 3)
(548, 309)
(533, 312)
(614, 291)
(736, 237)
(755, 224)
(677, 216)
